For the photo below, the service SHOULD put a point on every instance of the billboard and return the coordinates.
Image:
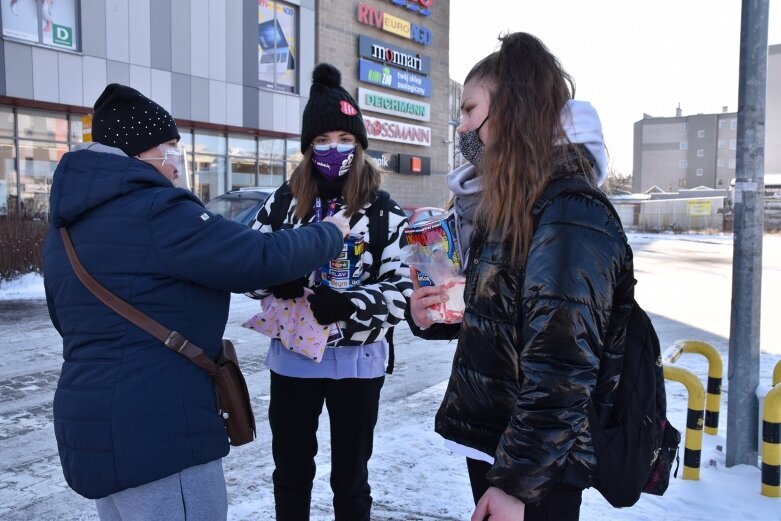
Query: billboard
(44, 21)
(277, 45)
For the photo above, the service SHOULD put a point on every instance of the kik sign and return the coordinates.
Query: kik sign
(372, 16)
(393, 78)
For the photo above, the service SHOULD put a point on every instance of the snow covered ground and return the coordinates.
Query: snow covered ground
(685, 284)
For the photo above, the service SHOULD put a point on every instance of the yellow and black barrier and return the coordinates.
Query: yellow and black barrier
(715, 373)
(771, 439)
(777, 374)
(693, 443)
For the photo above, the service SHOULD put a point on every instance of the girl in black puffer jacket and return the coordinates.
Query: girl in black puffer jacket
(546, 306)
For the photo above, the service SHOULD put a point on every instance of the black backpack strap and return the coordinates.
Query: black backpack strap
(280, 206)
(378, 230)
(379, 220)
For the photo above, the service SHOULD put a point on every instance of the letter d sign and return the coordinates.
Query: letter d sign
(62, 35)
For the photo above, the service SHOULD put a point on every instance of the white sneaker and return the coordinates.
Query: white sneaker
(13, 9)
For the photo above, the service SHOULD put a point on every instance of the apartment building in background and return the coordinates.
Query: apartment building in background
(689, 151)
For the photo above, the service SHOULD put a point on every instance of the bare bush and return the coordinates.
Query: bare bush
(21, 246)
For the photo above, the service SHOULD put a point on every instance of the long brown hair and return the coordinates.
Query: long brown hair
(528, 89)
(363, 180)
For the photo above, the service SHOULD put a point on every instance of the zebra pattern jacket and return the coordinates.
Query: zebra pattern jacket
(380, 305)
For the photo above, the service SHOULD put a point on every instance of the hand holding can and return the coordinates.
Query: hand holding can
(341, 221)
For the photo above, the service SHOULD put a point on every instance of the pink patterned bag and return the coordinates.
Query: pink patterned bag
(292, 322)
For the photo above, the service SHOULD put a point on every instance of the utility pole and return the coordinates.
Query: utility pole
(743, 407)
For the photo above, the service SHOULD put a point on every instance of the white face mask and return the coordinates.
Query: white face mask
(172, 155)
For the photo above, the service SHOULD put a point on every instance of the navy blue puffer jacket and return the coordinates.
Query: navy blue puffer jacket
(127, 410)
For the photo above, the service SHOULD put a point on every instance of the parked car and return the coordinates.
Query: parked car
(240, 205)
(420, 213)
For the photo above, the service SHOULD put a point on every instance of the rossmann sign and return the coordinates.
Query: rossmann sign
(397, 131)
(369, 15)
(384, 103)
(393, 55)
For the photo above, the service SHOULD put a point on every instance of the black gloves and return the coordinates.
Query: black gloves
(329, 306)
(288, 290)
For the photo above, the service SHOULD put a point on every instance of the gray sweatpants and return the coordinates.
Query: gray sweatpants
(194, 494)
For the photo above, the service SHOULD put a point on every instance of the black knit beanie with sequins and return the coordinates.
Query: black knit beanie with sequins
(126, 119)
(330, 107)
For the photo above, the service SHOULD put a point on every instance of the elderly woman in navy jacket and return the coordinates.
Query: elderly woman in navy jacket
(136, 423)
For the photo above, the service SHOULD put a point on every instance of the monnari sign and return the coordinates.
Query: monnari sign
(393, 78)
(393, 55)
(374, 17)
(383, 103)
(386, 130)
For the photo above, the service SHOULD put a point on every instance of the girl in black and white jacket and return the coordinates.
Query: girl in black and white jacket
(335, 177)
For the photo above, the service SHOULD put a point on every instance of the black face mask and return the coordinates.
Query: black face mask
(471, 145)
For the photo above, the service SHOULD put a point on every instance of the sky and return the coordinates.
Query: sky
(628, 57)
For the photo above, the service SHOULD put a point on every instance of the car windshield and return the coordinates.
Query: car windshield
(233, 208)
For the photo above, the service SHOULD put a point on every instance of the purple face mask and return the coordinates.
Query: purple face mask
(331, 162)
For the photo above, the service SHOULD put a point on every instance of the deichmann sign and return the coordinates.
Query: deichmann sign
(393, 78)
(394, 105)
(386, 130)
(393, 55)
(371, 16)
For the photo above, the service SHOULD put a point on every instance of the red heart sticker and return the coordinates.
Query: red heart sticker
(348, 109)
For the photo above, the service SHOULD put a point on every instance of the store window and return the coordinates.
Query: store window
(271, 162)
(242, 162)
(37, 161)
(6, 121)
(33, 145)
(209, 172)
(277, 46)
(208, 176)
(43, 125)
(293, 155)
(8, 186)
(48, 22)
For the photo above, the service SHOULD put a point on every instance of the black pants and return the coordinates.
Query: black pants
(293, 414)
(562, 504)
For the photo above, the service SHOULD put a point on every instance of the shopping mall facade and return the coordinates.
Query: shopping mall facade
(235, 75)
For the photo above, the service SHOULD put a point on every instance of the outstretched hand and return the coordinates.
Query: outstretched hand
(422, 298)
(340, 221)
(496, 505)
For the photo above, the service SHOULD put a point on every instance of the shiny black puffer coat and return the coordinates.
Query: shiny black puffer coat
(536, 345)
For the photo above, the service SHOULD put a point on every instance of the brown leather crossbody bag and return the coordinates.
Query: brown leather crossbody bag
(233, 403)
